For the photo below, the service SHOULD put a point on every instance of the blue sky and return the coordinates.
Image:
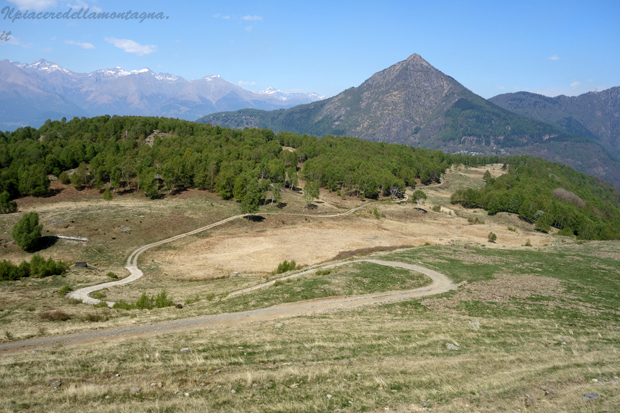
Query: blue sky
(491, 47)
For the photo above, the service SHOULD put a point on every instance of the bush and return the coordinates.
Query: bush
(112, 275)
(6, 205)
(98, 295)
(37, 267)
(65, 178)
(102, 304)
(436, 208)
(64, 291)
(492, 237)
(27, 231)
(285, 266)
(95, 318)
(55, 315)
(323, 272)
(107, 194)
(145, 302)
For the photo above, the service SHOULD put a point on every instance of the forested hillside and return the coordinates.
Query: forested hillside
(413, 103)
(158, 156)
(549, 195)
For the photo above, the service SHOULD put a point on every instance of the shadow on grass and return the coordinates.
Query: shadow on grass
(44, 243)
(254, 218)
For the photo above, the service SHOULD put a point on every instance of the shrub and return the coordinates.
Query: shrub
(95, 318)
(285, 266)
(210, 297)
(98, 295)
(6, 205)
(528, 243)
(27, 231)
(144, 302)
(54, 315)
(107, 194)
(64, 291)
(492, 237)
(112, 275)
(64, 178)
(436, 208)
(323, 272)
(161, 300)
(102, 304)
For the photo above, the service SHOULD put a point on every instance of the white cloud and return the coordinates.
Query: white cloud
(554, 57)
(53, 38)
(244, 83)
(47, 49)
(219, 16)
(501, 87)
(82, 45)
(252, 18)
(15, 42)
(249, 29)
(575, 83)
(36, 5)
(130, 46)
(82, 4)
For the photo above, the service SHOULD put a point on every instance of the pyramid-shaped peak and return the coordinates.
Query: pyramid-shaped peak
(416, 59)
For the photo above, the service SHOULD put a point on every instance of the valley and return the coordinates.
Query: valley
(539, 309)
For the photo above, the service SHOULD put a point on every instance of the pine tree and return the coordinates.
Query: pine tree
(251, 199)
(27, 231)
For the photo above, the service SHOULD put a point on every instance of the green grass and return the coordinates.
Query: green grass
(591, 282)
(354, 279)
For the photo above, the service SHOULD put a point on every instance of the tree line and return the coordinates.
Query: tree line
(549, 195)
(161, 155)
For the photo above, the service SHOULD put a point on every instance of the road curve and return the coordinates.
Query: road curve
(132, 261)
(440, 284)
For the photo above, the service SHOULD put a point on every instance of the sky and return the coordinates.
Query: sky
(491, 47)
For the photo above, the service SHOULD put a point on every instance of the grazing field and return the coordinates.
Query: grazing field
(530, 328)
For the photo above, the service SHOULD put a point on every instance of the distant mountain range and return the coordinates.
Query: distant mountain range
(33, 93)
(413, 103)
(594, 114)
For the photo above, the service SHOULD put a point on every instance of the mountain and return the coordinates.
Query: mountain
(413, 103)
(31, 94)
(593, 114)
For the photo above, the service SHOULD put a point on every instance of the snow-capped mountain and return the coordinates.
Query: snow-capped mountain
(277, 93)
(33, 93)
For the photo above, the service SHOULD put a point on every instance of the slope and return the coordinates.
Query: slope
(413, 103)
(593, 114)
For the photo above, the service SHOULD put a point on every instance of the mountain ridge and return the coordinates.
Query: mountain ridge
(592, 114)
(43, 85)
(413, 103)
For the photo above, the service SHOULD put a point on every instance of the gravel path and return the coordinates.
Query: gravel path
(440, 284)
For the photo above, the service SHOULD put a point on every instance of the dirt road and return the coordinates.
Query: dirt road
(440, 284)
(132, 261)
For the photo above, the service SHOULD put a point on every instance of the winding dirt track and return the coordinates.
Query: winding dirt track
(132, 261)
(440, 284)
